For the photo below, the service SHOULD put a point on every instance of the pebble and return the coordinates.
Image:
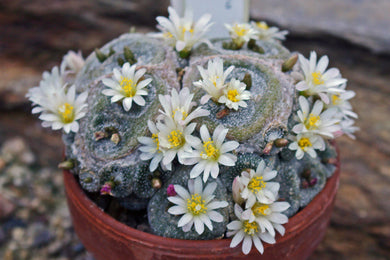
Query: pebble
(3, 237)
(6, 207)
(55, 247)
(12, 223)
(78, 248)
(42, 238)
(18, 234)
(17, 149)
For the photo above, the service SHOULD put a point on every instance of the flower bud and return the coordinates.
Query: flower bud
(237, 187)
(171, 190)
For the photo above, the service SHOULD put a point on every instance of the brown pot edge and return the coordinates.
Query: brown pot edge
(115, 228)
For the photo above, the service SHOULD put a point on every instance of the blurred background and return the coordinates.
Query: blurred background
(35, 34)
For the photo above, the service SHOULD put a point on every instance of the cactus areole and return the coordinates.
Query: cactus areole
(209, 138)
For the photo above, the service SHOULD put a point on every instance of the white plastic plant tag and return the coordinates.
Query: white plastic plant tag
(223, 11)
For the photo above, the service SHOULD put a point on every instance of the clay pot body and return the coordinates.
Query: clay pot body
(106, 238)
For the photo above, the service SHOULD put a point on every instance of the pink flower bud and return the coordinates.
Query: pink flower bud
(171, 190)
(313, 181)
(106, 189)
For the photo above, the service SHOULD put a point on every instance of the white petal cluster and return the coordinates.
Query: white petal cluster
(52, 84)
(174, 139)
(151, 148)
(262, 214)
(72, 63)
(316, 121)
(126, 85)
(241, 33)
(234, 95)
(347, 117)
(313, 125)
(197, 205)
(182, 32)
(179, 105)
(59, 106)
(266, 33)
(268, 216)
(248, 233)
(307, 143)
(172, 133)
(317, 80)
(213, 81)
(210, 152)
(257, 185)
(348, 128)
(331, 113)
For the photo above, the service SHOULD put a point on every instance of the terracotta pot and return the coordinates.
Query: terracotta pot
(107, 238)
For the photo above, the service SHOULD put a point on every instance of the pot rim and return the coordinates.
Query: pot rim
(112, 227)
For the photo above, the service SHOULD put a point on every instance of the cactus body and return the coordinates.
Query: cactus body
(106, 148)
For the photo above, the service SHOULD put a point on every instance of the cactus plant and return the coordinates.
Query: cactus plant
(238, 116)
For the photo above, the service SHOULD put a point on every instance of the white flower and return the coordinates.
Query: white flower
(267, 33)
(341, 103)
(268, 216)
(306, 143)
(126, 85)
(248, 232)
(182, 32)
(257, 187)
(324, 124)
(63, 110)
(49, 87)
(318, 80)
(174, 139)
(209, 153)
(213, 79)
(151, 148)
(179, 106)
(235, 94)
(72, 62)
(241, 33)
(348, 128)
(197, 206)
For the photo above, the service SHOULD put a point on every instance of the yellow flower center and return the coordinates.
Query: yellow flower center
(210, 151)
(256, 184)
(184, 30)
(250, 228)
(176, 138)
(183, 112)
(304, 142)
(214, 80)
(317, 78)
(66, 112)
(129, 88)
(312, 122)
(167, 35)
(240, 31)
(262, 25)
(157, 142)
(232, 95)
(336, 99)
(260, 209)
(196, 205)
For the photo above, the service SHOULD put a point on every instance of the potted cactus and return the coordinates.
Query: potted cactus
(218, 142)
